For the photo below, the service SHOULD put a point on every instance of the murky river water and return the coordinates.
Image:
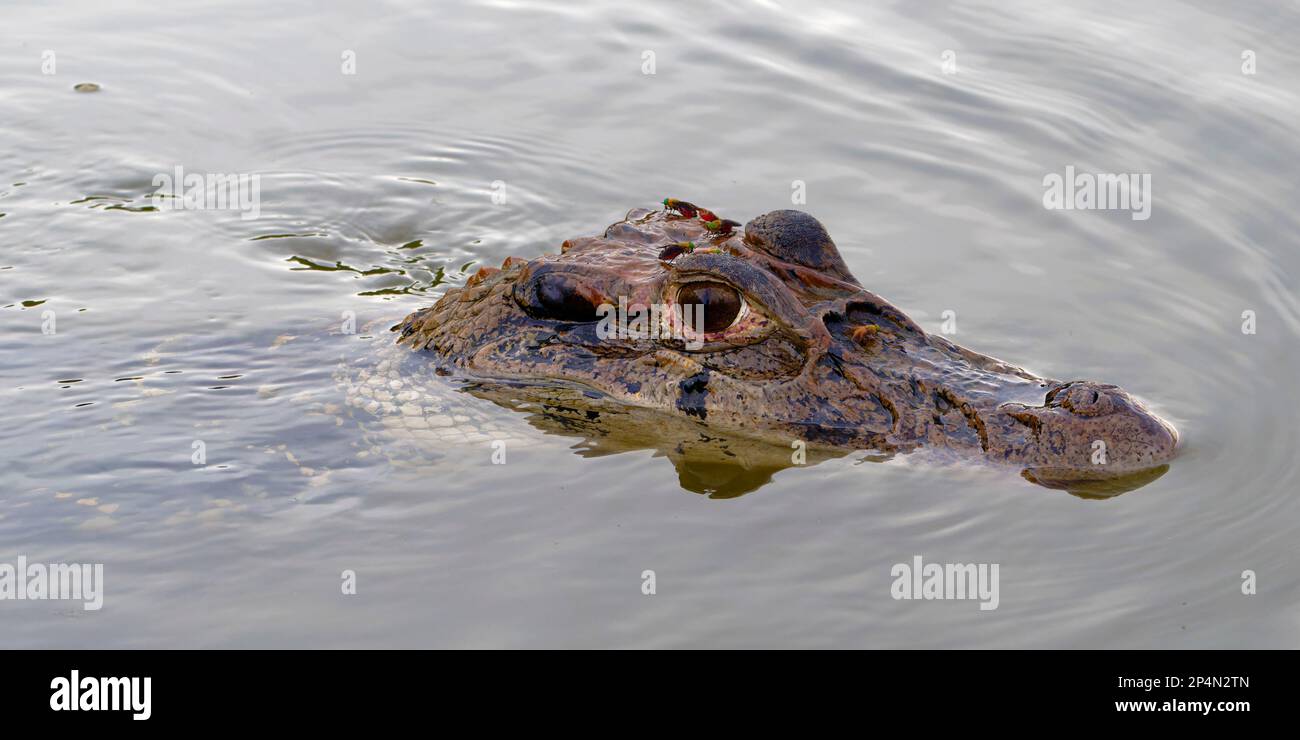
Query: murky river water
(380, 133)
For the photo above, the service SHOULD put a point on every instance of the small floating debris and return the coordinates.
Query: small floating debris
(86, 87)
(305, 235)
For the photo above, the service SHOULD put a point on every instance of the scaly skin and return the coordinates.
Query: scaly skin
(814, 356)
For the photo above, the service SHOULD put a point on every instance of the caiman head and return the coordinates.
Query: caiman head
(765, 332)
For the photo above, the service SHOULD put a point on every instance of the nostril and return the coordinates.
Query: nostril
(1051, 395)
(1082, 398)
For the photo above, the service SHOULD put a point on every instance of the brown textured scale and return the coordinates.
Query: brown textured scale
(810, 354)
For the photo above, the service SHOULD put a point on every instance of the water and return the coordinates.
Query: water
(376, 194)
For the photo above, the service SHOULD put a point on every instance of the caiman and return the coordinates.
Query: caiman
(762, 333)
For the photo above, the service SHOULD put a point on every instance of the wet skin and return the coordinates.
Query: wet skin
(792, 348)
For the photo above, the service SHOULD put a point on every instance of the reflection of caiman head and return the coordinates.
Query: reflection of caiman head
(790, 347)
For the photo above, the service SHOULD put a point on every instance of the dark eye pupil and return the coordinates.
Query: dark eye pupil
(720, 303)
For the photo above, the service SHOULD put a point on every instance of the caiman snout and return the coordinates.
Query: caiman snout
(1086, 430)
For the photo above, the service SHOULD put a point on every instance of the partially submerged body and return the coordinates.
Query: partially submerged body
(790, 351)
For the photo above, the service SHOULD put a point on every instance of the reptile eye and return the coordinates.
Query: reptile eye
(719, 303)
